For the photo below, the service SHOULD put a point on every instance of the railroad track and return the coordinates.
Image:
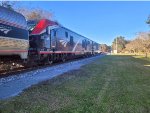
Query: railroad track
(19, 70)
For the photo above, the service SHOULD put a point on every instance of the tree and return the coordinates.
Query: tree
(36, 13)
(134, 46)
(145, 41)
(148, 20)
(104, 48)
(140, 44)
(8, 4)
(119, 43)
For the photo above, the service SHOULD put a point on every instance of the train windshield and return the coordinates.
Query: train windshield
(31, 24)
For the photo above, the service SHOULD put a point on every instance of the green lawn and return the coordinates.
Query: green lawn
(112, 84)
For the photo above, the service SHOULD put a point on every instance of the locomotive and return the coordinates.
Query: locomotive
(41, 40)
(50, 41)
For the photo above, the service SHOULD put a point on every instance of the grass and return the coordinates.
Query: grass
(143, 57)
(112, 84)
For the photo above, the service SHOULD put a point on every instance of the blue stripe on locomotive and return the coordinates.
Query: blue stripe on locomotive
(13, 32)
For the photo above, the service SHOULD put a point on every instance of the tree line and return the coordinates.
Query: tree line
(140, 44)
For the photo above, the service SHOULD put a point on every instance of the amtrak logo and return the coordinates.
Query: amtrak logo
(64, 42)
(5, 29)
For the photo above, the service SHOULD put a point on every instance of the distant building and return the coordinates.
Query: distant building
(115, 51)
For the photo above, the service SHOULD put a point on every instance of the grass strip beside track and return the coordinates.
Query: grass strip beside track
(112, 84)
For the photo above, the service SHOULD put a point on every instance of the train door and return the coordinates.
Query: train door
(53, 39)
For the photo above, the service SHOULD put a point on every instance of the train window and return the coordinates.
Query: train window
(46, 41)
(54, 33)
(71, 40)
(83, 43)
(66, 34)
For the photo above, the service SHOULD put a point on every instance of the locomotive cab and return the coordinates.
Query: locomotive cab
(40, 40)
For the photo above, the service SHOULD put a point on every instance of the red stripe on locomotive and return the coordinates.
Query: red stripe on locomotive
(42, 24)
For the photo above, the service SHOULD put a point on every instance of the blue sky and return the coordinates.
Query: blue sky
(99, 21)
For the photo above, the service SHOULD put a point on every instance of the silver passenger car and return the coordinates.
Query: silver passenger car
(13, 34)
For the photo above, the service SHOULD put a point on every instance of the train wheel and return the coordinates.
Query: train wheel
(50, 59)
(49, 62)
(63, 58)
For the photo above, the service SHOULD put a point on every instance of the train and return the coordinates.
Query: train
(42, 41)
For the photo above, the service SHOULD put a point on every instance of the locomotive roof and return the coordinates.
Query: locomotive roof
(76, 33)
(12, 18)
(41, 25)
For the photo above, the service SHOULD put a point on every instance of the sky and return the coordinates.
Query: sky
(99, 21)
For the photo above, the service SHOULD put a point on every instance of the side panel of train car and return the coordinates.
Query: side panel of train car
(66, 41)
(13, 34)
